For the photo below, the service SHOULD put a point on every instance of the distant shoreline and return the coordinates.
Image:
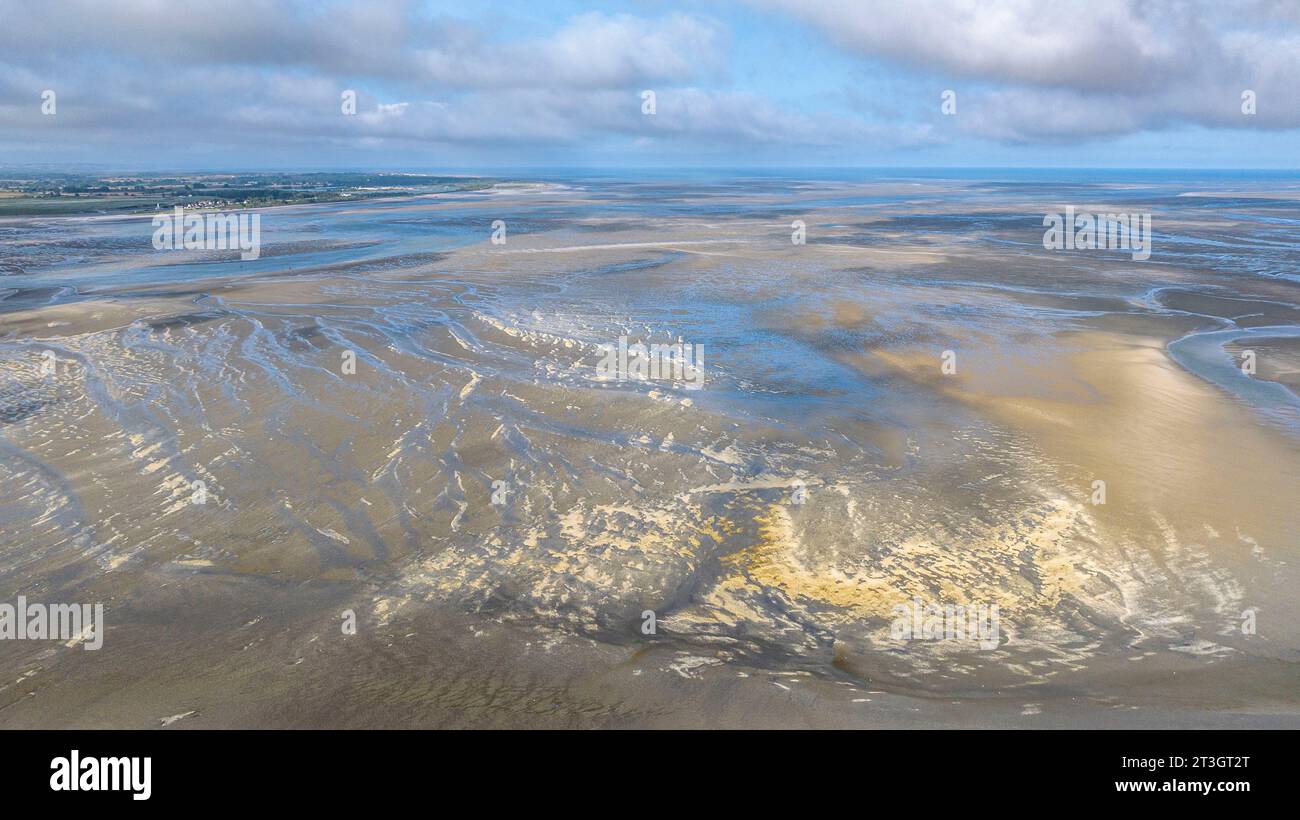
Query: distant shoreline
(53, 195)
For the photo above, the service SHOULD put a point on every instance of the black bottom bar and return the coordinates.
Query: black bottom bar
(547, 770)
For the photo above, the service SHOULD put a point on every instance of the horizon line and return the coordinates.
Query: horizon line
(482, 169)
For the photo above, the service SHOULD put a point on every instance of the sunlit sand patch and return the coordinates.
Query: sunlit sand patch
(1032, 571)
(1118, 411)
(594, 568)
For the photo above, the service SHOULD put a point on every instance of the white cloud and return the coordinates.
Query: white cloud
(255, 74)
(1029, 71)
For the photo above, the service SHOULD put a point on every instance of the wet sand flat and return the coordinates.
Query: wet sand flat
(394, 418)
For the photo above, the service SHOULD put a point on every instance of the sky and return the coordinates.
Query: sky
(255, 84)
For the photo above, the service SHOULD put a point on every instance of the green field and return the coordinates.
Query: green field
(63, 194)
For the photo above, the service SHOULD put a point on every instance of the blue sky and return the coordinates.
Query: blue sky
(759, 83)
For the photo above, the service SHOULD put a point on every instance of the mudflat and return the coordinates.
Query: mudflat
(392, 421)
